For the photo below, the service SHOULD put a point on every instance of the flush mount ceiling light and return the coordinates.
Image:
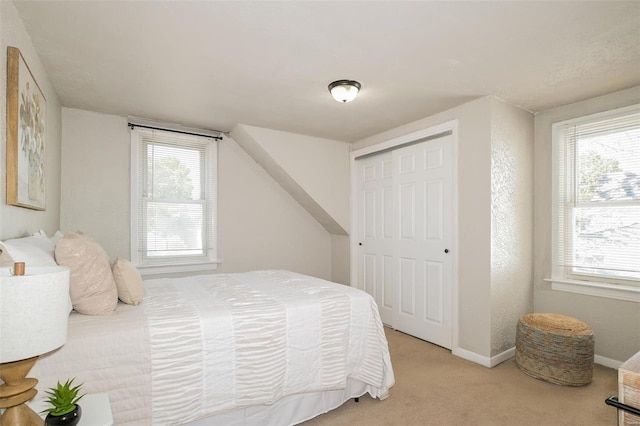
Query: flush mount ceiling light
(344, 90)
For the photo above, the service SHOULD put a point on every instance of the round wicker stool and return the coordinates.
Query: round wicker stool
(555, 348)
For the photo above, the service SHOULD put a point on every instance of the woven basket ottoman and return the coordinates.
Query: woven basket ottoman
(555, 348)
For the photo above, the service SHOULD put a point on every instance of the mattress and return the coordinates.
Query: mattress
(226, 345)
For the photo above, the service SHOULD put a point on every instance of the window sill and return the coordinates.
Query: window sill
(609, 291)
(148, 270)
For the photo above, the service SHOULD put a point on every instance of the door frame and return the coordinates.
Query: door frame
(390, 144)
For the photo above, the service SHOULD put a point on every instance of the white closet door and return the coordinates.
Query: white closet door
(422, 181)
(375, 229)
(405, 215)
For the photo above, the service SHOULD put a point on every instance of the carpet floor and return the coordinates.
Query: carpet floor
(433, 387)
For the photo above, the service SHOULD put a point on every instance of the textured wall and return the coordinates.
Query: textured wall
(511, 221)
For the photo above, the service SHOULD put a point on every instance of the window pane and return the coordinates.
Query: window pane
(607, 241)
(609, 167)
(173, 219)
(173, 173)
(174, 229)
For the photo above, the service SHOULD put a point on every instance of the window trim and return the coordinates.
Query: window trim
(593, 288)
(207, 262)
(562, 279)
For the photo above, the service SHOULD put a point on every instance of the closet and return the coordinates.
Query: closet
(404, 234)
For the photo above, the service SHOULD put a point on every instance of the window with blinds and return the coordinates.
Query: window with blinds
(173, 198)
(597, 197)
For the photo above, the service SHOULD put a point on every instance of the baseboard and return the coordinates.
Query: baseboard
(607, 362)
(472, 356)
(485, 361)
(502, 357)
(491, 362)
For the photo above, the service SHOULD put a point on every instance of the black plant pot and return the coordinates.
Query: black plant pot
(69, 419)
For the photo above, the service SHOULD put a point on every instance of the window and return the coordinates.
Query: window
(173, 208)
(597, 199)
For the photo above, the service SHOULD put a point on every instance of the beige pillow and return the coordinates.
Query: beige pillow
(91, 285)
(128, 281)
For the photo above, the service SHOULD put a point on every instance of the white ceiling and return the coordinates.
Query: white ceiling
(214, 64)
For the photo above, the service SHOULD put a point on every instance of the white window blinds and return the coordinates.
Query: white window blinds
(598, 190)
(174, 198)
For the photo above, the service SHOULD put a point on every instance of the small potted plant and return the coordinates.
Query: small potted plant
(64, 409)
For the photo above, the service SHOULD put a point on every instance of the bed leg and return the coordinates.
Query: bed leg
(356, 399)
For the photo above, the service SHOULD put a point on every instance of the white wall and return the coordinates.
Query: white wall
(340, 259)
(315, 172)
(615, 323)
(95, 178)
(259, 224)
(19, 221)
(306, 159)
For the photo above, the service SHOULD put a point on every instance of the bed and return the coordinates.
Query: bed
(262, 347)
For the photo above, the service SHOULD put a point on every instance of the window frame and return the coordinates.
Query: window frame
(207, 261)
(563, 277)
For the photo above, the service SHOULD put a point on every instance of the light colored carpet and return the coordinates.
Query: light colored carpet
(434, 387)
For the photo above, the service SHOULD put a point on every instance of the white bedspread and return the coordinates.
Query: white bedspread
(205, 345)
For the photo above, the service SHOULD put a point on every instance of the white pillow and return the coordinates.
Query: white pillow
(56, 237)
(33, 251)
(5, 258)
(128, 281)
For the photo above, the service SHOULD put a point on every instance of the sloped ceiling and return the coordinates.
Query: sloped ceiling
(307, 199)
(215, 64)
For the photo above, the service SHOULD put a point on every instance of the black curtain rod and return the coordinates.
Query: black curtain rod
(218, 138)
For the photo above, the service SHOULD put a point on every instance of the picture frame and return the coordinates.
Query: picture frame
(26, 131)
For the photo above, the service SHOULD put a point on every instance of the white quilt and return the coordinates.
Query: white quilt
(205, 345)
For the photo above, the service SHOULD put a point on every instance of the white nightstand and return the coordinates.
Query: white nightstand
(96, 409)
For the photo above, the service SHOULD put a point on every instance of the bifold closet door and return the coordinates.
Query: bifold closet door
(405, 215)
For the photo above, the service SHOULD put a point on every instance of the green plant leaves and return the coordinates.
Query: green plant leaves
(63, 398)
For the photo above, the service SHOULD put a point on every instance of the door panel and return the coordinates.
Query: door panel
(387, 284)
(387, 212)
(375, 230)
(370, 274)
(407, 287)
(433, 284)
(405, 210)
(433, 206)
(369, 214)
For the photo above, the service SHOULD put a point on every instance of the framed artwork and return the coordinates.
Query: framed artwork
(26, 120)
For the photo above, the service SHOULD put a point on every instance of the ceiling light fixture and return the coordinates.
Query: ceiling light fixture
(344, 90)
